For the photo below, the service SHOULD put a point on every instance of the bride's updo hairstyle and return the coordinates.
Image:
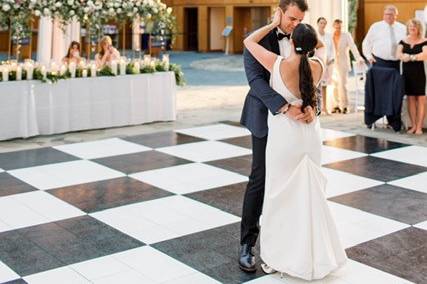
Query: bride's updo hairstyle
(304, 38)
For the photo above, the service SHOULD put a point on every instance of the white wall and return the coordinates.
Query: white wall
(217, 25)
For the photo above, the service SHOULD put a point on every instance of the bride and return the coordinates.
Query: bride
(298, 233)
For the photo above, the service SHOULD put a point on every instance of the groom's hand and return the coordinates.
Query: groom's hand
(307, 116)
(294, 111)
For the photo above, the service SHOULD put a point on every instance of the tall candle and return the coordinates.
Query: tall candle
(62, 70)
(137, 67)
(19, 73)
(165, 60)
(147, 59)
(122, 67)
(72, 69)
(93, 70)
(84, 73)
(114, 67)
(29, 68)
(44, 73)
(5, 73)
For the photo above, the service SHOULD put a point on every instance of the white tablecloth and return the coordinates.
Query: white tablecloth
(30, 108)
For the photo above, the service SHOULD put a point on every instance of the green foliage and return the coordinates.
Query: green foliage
(179, 75)
(353, 6)
(105, 71)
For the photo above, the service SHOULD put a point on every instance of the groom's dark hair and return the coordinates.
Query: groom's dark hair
(301, 4)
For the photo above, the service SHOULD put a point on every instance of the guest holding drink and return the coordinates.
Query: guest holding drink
(412, 51)
(73, 54)
(106, 52)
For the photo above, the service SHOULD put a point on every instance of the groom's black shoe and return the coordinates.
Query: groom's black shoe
(247, 259)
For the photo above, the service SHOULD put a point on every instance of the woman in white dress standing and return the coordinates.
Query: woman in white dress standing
(328, 58)
(298, 233)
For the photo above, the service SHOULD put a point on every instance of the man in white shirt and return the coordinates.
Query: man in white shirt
(384, 36)
(384, 85)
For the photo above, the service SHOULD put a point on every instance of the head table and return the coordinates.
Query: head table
(30, 108)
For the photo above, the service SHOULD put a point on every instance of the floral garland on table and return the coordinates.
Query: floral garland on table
(132, 68)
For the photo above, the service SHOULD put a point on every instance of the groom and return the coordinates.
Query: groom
(261, 99)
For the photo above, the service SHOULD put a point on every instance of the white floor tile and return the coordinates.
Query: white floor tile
(216, 131)
(34, 208)
(101, 148)
(189, 178)
(60, 275)
(416, 155)
(128, 277)
(341, 182)
(422, 225)
(7, 274)
(154, 264)
(166, 218)
(100, 267)
(276, 279)
(352, 273)
(416, 182)
(197, 278)
(329, 134)
(356, 273)
(4, 227)
(356, 226)
(205, 151)
(65, 174)
(332, 155)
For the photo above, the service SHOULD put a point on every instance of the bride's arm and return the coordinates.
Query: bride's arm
(262, 55)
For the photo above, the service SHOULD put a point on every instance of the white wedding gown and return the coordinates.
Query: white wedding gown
(298, 233)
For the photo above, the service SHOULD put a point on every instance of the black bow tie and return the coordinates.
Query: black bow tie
(281, 36)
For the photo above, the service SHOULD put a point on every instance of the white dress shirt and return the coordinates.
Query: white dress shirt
(378, 40)
(284, 46)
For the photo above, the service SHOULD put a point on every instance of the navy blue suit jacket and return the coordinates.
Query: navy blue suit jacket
(261, 97)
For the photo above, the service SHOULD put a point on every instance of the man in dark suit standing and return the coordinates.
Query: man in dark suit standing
(261, 99)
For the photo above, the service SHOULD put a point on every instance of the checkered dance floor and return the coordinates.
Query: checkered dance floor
(165, 208)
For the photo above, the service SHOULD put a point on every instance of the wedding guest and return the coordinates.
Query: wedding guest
(73, 54)
(383, 81)
(343, 43)
(328, 57)
(106, 52)
(413, 51)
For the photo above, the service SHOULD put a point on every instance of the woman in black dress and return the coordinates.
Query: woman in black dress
(413, 53)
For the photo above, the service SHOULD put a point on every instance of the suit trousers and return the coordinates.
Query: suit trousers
(254, 196)
(340, 88)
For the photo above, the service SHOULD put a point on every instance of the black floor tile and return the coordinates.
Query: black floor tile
(213, 252)
(139, 162)
(162, 139)
(96, 196)
(23, 256)
(228, 198)
(364, 144)
(10, 185)
(241, 165)
(48, 246)
(245, 141)
(403, 253)
(377, 168)
(389, 201)
(32, 158)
